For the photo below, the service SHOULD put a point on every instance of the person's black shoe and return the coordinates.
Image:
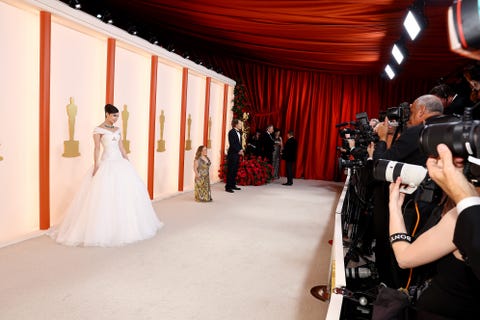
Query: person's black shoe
(287, 184)
(229, 190)
(236, 188)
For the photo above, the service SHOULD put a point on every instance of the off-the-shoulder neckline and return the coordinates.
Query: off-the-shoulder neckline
(116, 129)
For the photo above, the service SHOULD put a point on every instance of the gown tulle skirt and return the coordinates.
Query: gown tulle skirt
(112, 208)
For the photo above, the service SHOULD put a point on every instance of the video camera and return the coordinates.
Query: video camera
(362, 134)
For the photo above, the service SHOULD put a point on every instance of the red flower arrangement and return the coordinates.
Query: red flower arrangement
(251, 171)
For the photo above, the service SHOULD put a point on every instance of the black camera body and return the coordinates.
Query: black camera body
(348, 163)
(363, 135)
(366, 133)
(462, 138)
(400, 114)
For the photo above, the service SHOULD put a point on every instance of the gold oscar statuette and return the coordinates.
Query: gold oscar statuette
(71, 146)
(209, 141)
(245, 130)
(125, 115)
(188, 143)
(1, 158)
(161, 142)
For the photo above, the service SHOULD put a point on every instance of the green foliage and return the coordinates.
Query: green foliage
(239, 101)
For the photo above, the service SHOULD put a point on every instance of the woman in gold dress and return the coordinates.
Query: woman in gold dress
(201, 167)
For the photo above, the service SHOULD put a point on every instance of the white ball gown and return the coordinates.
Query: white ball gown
(113, 207)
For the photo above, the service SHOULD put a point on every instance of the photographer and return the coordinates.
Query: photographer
(425, 109)
(453, 291)
(447, 173)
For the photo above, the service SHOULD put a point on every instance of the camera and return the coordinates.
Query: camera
(344, 163)
(462, 137)
(398, 115)
(412, 175)
(362, 133)
(359, 273)
(366, 133)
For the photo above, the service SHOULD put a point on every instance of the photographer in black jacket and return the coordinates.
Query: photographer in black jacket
(425, 109)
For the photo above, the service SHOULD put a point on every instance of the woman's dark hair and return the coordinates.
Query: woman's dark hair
(110, 108)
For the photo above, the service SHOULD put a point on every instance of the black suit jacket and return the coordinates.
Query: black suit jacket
(407, 147)
(235, 144)
(290, 150)
(267, 145)
(404, 149)
(467, 237)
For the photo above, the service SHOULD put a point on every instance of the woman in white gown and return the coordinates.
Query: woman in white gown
(112, 206)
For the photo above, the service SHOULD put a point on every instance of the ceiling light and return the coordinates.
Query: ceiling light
(153, 40)
(105, 16)
(132, 30)
(412, 24)
(398, 53)
(75, 4)
(389, 71)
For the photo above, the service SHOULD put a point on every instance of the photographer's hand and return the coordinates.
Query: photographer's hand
(370, 150)
(448, 174)
(351, 143)
(382, 130)
(396, 197)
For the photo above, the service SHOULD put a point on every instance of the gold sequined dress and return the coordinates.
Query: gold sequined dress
(202, 183)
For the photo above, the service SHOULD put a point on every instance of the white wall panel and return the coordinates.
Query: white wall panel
(78, 71)
(19, 211)
(196, 110)
(169, 99)
(216, 114)
(229, 116)
(132, 88)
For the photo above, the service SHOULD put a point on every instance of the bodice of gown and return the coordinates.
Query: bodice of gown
(109, 142)
(203, 167)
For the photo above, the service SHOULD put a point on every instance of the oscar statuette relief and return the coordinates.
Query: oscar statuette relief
(209, 141)
(245, 129)
(125, 115)
(161, 142)
(188, 143)
(71, 146)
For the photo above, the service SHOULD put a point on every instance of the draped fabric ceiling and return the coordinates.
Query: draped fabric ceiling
(305, 64)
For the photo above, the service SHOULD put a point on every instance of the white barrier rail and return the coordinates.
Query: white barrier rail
(337, 266)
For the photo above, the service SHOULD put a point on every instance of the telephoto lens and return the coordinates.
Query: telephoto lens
(462, 138)
(412, 175)
(358, 273)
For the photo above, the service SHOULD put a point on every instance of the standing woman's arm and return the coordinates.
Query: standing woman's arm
(195, 168)
(96, 152)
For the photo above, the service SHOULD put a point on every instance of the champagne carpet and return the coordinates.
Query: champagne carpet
(253, 254)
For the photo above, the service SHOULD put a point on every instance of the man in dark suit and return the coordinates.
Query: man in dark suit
(447, 173)
(267, 143)
(289, 155)
(233, 155)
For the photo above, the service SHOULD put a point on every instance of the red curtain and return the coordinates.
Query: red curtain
(311, 104)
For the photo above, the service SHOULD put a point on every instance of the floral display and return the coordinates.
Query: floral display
(252, 171)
